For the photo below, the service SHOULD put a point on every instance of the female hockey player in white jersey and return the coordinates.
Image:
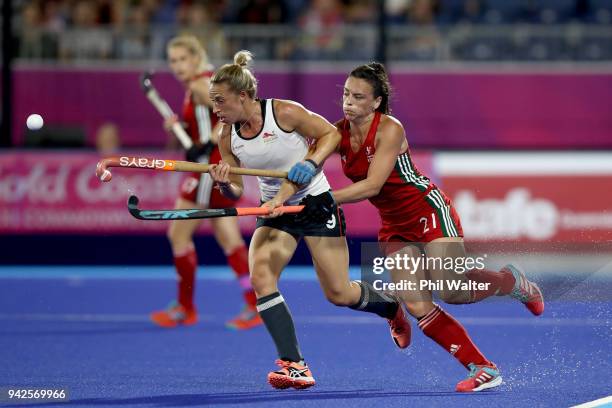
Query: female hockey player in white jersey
(275, 134)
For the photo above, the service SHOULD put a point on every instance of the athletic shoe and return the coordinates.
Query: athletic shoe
(400, 327)
(526, 291)
(480, 378)
(174, 315)
(247, 319)
(291, 374)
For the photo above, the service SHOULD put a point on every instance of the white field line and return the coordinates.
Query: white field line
(602, 402)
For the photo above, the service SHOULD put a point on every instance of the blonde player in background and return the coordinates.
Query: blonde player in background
(189, 64)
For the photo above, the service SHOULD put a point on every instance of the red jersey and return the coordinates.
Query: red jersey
(198, 187)
(200, 119)
(410, 206)
(404, 189)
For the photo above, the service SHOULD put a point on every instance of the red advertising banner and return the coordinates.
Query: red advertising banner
(533, 198)
(59, 193)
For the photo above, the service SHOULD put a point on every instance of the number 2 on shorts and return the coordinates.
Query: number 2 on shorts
(424, 221)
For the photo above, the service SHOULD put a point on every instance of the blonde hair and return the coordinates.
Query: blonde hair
(238, 75)
(194, 47)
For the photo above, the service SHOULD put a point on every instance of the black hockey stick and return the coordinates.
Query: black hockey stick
(196, 213)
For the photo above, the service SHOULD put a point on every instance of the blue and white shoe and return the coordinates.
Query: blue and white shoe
(480, 378)
(526, 291)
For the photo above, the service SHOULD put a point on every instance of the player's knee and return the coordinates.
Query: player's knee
(337, 296)
(177, 237)
(233, 244)
(260, 279)
(261, 276)
(229, 243)
(418, 309)
(171, 234)
(454, 297)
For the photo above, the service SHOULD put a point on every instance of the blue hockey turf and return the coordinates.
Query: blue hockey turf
(87, 330)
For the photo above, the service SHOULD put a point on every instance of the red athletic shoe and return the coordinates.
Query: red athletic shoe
(291, 374)
(480, 378)
(174, 315)
(247, 319)
(400, 328)
(526, 291)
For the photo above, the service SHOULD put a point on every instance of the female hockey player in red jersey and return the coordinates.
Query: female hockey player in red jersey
(417, 219)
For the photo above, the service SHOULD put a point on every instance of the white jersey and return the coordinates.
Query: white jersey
(274, 149)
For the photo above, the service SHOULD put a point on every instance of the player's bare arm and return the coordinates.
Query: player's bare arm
(390, 143)
(230, 184)
(293, 116)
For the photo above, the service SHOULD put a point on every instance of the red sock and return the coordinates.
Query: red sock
(500, 283)
(186, 264)
(452, 336)
(239, 261)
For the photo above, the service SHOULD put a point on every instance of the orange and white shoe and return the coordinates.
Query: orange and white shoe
(291, 374)
(401, 332)
(174, 315)
(526, 291)
(480, 378)
(247, 319)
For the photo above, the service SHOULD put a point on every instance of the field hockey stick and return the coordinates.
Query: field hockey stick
(104, 174)
(193, 214)
(164, 109)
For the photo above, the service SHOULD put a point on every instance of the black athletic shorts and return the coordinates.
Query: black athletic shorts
(335, 226)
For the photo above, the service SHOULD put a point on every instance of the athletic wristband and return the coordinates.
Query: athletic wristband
(316, 166)
(225, 185)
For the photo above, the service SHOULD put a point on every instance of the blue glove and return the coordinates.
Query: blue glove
(303, 172)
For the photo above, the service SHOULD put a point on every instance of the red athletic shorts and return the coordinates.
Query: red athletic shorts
(434, 217)
(200, 188)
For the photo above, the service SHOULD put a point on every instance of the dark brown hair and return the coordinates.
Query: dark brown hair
(376, 75)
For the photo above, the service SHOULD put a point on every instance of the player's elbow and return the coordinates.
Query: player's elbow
(331, 140)
(373, 189)
(336, 137)
(237, 194)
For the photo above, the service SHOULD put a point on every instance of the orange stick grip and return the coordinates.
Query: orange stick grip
(289, 209)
